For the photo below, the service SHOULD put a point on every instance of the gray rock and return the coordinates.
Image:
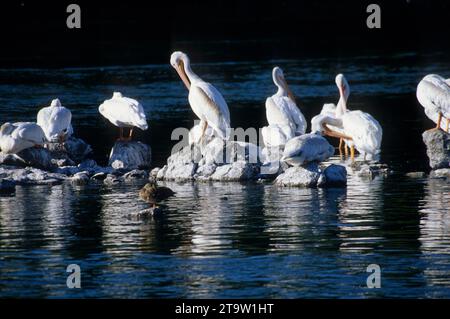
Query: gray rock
(99, 176)
(184, 172)
(333, 176)
(35, 157)
(154, 172)
(161, 173)
(237, 171)
(205, 171)
(136, 174)
(440, 173)
(112, 179)
(219, 152)
(74, 149)
(438, 148)
(81, 178)
(303, 176)
(371, 170)
(130, 155)
(7, 186)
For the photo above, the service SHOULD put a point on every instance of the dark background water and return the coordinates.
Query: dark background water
(227, 240)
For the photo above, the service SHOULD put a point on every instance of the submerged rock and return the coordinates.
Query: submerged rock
(438, 148)
(30, 176)
(81, 178)
(333, 176)
(416, 175)
(136, 174)
(369, 170)
(130, 155)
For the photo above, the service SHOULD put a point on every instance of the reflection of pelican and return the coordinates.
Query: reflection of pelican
(282, 113)
(307, 148)
(205, 100)
(435, 217)
(433, 92)
(55, 122)
(360, 213)
(124, 112)
(19, 136)
(359, 129)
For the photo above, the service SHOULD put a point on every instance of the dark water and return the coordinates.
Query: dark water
(231, 240)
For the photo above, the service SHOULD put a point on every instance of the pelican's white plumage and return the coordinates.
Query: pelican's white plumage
(281, 108)
(433, 93)
(19, 136)
(205, 100)
(195, 133)
(307, 148)
(359, 129)
(124, 112)
(55, 121)
(276, 135)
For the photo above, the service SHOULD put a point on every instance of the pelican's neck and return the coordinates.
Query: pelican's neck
(341, 107)
(189, 73)
(282, 91)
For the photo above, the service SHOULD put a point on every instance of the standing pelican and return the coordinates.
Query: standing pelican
(55, 122)
(205, 100)
(359, 129)
(124, 112)
(281, 108)
(16, 137)
(433, 93)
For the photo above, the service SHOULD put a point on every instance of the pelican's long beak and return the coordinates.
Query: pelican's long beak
(288, 90)
(182, 74)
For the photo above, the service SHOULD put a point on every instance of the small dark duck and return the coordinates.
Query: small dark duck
(152, 193)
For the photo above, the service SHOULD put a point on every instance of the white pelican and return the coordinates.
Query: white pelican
(19, 136)
(205, 100)
(281, 108)
(276, 135)
(55, 122)
(433, 93)
(306, 148)
(359, 129)
(195, 134)
(329, 109)
(124, 112)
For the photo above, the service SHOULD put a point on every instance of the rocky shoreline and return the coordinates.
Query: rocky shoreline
(217, 161)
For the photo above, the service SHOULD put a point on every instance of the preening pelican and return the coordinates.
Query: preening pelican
(307, 148)
(282, 111)
(124, 112)
(433, 93)
(55, 122)
(205, 100)
(19, 136)
(359, 129)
